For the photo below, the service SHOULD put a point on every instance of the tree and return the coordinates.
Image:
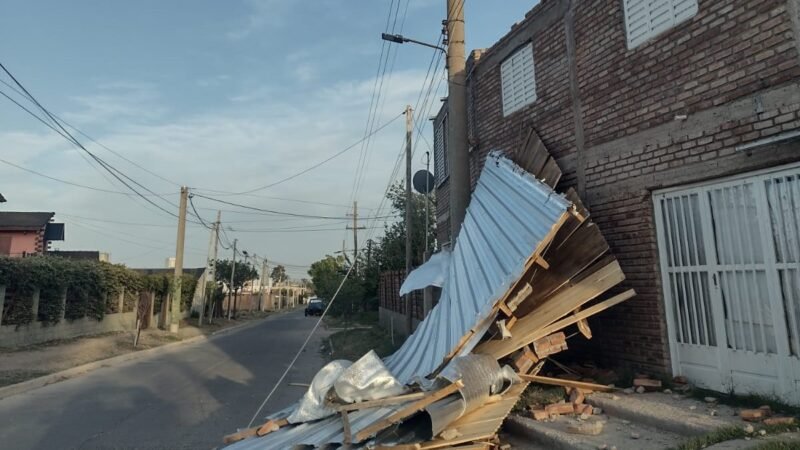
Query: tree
(243, 273)
(327, 275)
(391, 251)
(278, 274)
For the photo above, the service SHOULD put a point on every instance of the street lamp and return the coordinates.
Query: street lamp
(400, 39)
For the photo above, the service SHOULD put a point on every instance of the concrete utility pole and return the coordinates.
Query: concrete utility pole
(233, 271)
(457, 145)
(409, 130)
(175, 316)
(355, 229)
(211, 271)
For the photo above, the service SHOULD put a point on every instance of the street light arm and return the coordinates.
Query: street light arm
(400, 39)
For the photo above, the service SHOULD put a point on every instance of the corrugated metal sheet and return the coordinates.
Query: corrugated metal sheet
(325, 431)
(510, 214)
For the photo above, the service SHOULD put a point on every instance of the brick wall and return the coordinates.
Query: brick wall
(389, 294)
(608, 115)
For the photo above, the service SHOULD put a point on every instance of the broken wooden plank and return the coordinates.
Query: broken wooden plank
(388, 401)
(240, 435)
(520, 296)
(571, 258)
(348, 436)
(529, 328)
(542, 262)
(408, 410)
(583, 326)
(270, 426)
(550, 173)
(565, 383)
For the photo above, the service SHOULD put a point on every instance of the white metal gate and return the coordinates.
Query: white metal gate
(730, 267)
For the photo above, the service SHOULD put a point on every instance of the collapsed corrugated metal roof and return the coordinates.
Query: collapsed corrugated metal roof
(510, 214)
(498, 274)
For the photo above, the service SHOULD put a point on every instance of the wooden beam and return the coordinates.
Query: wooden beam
(542, 262)
(565, 383)
(381, 402)
(530, 327)
(348, 437)
(270, 426)
(418, 405)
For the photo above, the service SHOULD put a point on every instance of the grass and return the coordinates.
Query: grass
(734, 432)
(747, 401)
(777, 445)
(362, 333)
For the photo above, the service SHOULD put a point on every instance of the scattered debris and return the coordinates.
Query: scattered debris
(647, 383)
(635, 436)
(752, 415)
(749, 429)
(780, 421)
(640, 390)
(710, 400)
(589, 428)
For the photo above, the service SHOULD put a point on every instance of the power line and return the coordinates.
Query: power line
(67, 135)
(270, 211)
(76, 129)
(308, 169)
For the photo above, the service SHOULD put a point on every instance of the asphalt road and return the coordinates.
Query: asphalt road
(187, 398)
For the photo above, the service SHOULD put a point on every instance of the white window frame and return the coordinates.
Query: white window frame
(518, 80)
(646, 19)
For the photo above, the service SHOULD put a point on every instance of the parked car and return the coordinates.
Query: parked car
(315, 307)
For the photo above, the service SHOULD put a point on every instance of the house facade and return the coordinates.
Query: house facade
(27, 233)
(677, 122)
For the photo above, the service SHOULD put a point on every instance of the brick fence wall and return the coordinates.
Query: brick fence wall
(389, 294)
(608, 115)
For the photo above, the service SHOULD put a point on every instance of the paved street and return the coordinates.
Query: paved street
(187, 398)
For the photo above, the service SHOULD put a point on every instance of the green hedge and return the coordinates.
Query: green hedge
(92, 288)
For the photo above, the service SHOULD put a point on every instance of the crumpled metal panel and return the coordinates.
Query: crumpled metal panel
(367, 379)
(312, 404)
(509, 214)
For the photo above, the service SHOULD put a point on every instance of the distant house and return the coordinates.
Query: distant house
(28, 233)
(83, 255)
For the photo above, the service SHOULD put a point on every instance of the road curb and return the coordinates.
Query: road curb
(68, 374)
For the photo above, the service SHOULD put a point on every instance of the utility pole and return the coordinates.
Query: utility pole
(175, 316)
(211, 271)
(409, 129)
(233, 271)
(261, 284)
(427, 293)
(355, 229)
(457, 145)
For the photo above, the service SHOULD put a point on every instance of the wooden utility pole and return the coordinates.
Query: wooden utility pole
(457, 145)
(409, 129)
(233, 272)
(261, 284)
(175, 316)
(211, 264)
(355, 229)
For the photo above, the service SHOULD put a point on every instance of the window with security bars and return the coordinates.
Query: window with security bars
(645, 19)
(518, 80)
(441, 168)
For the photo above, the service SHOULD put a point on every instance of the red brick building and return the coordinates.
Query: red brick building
(677, 121)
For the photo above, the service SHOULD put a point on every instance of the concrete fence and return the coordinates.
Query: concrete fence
(35, 332)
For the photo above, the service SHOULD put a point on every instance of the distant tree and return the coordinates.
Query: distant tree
(243, 273)
(391, 251)
(327, 275)
(278, 274)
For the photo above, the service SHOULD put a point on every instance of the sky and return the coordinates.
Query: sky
(223, 97)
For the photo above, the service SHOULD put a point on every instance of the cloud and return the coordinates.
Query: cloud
(119, 100)
(263, 13)
(232, 147)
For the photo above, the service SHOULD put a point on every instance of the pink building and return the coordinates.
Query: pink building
(28, 233)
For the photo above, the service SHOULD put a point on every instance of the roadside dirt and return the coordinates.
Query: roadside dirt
(18, 365)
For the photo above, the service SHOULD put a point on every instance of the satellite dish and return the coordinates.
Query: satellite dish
(423, 182)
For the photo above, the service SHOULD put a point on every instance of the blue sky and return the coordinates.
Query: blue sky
(222, 95)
